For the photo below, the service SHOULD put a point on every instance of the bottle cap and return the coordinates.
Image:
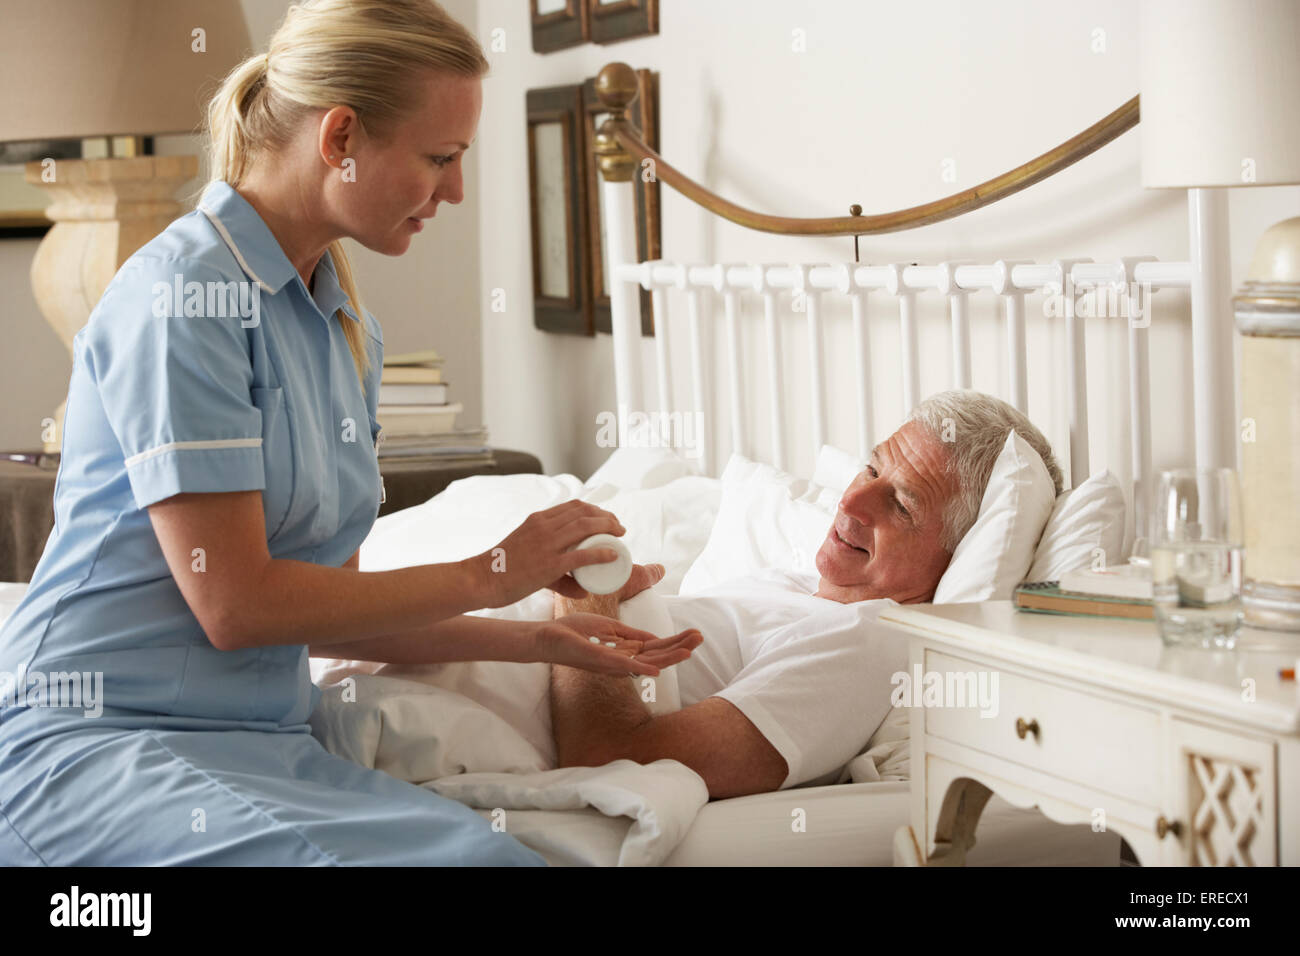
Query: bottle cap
(608, 576)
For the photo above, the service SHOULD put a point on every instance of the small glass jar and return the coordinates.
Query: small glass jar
(1196, 537)
(1268, 319)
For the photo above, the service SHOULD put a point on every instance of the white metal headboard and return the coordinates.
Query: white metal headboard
(1205, 275)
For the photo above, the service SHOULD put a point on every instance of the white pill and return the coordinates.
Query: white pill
(594, 640)
(607, 576)
(611, 644)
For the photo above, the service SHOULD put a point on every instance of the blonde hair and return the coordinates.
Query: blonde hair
(364, 54)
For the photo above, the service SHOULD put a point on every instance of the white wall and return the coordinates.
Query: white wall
(883, 95)
(425, 298)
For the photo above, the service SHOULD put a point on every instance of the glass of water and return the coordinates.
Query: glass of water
(1196, 552)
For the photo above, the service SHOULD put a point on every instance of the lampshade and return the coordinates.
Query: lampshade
(81, 68)
(1220, 88)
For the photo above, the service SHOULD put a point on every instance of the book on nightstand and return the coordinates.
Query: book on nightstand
(1122, 581)
(1047, 597)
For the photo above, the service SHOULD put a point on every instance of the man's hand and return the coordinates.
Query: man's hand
(643, 577)
(568, 640)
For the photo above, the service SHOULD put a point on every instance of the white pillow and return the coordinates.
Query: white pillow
(1085, 520)
(639, 468)
(995, 554)
(762, 522)
(467, 517)
(667, 524)
(836, 469)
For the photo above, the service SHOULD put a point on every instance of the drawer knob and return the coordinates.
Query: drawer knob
(1165, 827)
(1024, 727)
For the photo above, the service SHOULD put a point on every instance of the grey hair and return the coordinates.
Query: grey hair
(974, 427)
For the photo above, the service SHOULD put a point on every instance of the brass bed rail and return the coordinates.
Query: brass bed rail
(620, 150)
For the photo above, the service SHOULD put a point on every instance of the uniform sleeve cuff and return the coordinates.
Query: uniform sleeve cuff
(175, 470)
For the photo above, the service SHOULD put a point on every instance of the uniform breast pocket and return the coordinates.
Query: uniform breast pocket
(278, 459)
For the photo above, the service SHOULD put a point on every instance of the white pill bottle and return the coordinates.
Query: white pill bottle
(646, 612)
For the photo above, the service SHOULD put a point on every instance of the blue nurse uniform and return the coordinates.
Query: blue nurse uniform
(207, 366)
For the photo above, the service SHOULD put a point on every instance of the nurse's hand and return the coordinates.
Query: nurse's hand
(536, 554)
(568, 640)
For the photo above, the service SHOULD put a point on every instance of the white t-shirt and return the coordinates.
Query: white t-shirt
(813, 675)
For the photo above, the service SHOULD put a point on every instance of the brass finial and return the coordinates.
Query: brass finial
(616, 86)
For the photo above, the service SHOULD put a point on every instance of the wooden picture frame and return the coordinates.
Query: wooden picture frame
(643, 113)
(610, 21)
(557, 206)
(558, 24)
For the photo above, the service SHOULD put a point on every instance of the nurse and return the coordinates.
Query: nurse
(219, 474)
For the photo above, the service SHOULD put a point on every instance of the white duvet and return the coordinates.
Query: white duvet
(480, 732)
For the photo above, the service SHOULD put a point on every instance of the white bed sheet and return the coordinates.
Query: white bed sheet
(847, 825)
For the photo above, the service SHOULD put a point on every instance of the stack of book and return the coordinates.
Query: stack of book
(418, 421)
(1113, 592)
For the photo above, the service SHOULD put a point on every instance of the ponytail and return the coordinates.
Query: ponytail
(330, 53)
(229, 116)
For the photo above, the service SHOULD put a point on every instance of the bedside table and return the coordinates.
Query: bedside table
(1192, 756)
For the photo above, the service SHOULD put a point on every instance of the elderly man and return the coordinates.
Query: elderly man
(789, 683)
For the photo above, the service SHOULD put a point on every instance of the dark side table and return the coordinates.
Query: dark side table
(27, 498)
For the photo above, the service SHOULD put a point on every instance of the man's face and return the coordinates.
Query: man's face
(884, 541)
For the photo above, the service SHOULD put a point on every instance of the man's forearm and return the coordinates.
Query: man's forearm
(466, 637)
(584, 701)
(603, 604)
(590, 711)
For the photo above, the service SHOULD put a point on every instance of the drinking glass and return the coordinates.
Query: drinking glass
(1196, 557)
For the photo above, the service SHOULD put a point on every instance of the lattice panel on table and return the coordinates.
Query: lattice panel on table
(1227, 811)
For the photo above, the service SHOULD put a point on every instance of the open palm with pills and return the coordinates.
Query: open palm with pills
(604, 645)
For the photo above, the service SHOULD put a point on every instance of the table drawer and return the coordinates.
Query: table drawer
(1090, 740)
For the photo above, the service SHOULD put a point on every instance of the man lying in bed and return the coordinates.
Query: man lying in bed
(790, 682)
